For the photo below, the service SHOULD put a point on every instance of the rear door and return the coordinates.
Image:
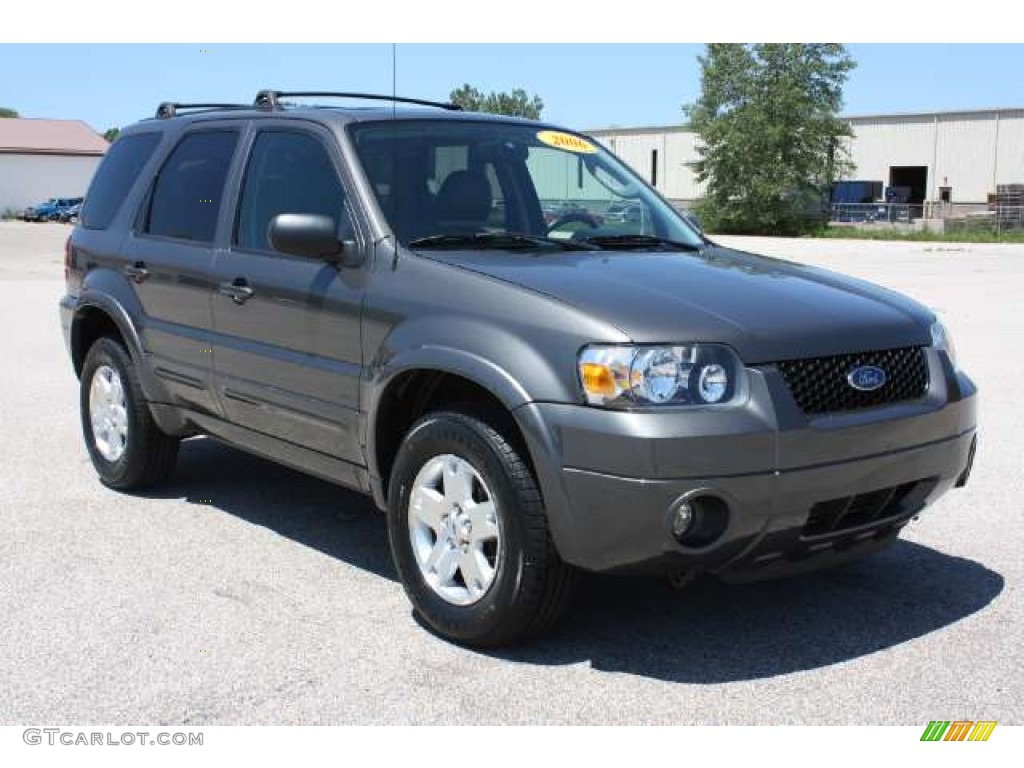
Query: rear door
(287, 352)
(169, 257)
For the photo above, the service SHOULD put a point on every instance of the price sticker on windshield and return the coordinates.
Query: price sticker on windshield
(566, 141)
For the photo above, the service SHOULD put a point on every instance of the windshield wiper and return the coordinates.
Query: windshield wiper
(647, 242)
(498, 240)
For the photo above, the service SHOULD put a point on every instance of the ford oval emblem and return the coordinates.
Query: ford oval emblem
(866, 378)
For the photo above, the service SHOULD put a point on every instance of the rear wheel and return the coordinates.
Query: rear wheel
(126, 446)
(469, 534)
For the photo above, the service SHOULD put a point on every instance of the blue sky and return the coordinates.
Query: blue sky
(583, 86)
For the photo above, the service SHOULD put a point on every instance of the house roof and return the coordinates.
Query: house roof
(49, 137)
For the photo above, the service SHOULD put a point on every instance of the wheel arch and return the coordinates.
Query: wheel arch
(426, 382)
(97, 315)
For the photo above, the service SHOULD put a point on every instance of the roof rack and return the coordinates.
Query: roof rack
(171, 108)
(271, 99)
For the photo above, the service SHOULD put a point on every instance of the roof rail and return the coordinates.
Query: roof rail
(171, 108)
(271, 99)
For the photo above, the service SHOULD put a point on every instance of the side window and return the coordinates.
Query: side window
(288, 172)
(187, 193)
(115, 177)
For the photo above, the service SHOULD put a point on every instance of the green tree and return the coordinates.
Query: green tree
(111, 134)
(516, 103)
(7, 112)
(771, 135)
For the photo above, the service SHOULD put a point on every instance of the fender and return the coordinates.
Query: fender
(116, 312)
(517, 344)
(506, 388)
(442, 359)
(110, 291)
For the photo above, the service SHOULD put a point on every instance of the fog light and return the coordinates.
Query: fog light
(682, 519)
(698, 520)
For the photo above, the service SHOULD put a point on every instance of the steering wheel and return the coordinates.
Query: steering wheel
(570, 218)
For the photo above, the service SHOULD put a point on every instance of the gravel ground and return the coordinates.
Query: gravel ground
(244, 592)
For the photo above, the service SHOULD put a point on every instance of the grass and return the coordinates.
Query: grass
(858, 233)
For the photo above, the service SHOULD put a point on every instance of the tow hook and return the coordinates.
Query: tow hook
(681, 578)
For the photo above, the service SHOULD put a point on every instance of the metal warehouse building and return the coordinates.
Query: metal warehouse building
(970, 152)
(40, 159)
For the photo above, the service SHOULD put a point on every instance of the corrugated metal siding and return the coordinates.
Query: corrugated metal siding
(1011, 149)
(965, 158)
(635, 150)
(680, 181)
(30, 179)
(960, 150)
(676, 150)
(885, 142)
(959, 147)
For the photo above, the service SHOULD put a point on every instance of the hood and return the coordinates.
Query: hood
(766, 309)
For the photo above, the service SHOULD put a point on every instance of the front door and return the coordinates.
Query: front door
(287, 352)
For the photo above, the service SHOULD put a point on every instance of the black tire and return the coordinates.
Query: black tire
(532, 586)
(149, 454)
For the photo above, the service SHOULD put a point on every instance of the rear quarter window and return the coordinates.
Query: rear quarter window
(115, 177)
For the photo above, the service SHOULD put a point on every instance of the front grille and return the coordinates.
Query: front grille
(819, 384)
(842, 514)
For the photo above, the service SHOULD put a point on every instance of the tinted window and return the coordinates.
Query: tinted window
(288, 173)
(188, 190)
(116, 174)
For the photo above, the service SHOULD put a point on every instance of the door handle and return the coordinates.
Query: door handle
(137, 271)
(238, 289)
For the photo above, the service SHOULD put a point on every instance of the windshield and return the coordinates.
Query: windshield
(461, 178)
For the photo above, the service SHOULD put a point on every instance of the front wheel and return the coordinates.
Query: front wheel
(469, 533)
(126, 446)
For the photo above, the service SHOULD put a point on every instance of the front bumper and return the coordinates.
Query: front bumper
(610, 478)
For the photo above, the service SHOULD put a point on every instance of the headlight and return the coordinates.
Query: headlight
(942, 340)
(690, 374)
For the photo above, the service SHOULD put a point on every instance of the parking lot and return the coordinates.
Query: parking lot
(244, 592)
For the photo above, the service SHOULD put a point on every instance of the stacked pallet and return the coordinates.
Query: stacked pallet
(1010, 206)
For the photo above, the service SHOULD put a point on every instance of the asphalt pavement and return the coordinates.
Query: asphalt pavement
(246, 593)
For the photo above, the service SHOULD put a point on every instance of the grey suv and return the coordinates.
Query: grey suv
(373, 295)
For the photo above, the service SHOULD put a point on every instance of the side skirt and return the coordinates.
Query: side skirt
(311, 462)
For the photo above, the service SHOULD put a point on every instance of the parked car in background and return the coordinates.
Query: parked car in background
(627, 212)
(566, 212)
(70, 215)
(51, 210)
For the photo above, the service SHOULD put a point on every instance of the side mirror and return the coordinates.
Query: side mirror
(305, 234)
